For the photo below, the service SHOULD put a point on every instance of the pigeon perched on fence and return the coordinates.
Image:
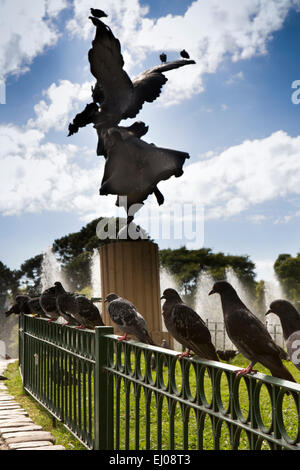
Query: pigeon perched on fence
(48, 304)
(26, 305)
(125, 315)
(78, 307)
(249, 334)
(63, 300)
(290, 322)
(85, 312)
(187, 327)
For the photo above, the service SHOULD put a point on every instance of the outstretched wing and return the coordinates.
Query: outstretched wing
(147, 86)
(106, 63)
(133, 167)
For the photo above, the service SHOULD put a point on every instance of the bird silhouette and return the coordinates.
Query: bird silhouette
(125, 315)
(187, 327)
(248, 333)
(163, 57)
(120, 98)
(24, 304)
(117, 97)
(98, 13)
(184, 54)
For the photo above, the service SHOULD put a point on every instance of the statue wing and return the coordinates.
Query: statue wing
(106, 63)
(133, 167)
(147, 86)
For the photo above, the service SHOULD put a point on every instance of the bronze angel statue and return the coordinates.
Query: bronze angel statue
(133, 167)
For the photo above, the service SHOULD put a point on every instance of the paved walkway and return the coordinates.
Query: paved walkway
(17, 430)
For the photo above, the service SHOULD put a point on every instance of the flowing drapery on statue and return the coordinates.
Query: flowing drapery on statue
(133, 167)
(144, 165)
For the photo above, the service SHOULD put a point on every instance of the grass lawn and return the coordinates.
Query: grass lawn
(37, 413)
(140, 414)
(290, 414)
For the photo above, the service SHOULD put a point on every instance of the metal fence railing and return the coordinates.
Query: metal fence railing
(129, 395)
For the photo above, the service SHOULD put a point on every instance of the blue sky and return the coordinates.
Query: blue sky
(232, 112)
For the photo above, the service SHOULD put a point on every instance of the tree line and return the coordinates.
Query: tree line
(74, 252)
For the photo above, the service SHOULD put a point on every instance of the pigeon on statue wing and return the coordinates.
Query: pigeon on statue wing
(163, 58)
(249, 334)
(290, 322)
(187, 327)
(184, 54)
(48, 304)
(82, 310)
(125, 315)
(98, 13)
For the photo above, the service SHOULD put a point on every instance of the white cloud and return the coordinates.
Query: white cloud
(235, 78)
(26, 29)
(39, 176)
(54, 7)
(61, 103)
(257, 218)
(210, 31)
(240, 177)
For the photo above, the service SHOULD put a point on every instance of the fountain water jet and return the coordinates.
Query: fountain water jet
(95, 270)
(166, 280)
(238, 285)
(51, 271)
(210, 310)
(273, 291)
(95, 273)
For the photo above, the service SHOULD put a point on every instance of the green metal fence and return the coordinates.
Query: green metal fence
(129, 395)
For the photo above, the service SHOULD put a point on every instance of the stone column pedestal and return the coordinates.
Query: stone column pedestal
(131, 270)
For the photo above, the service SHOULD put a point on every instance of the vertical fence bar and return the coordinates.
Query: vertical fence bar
(21, 344)
(103, 399)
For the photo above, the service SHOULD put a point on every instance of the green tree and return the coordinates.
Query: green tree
(186, 265)
(9, 283)
(287, 268)
(30, 273)
(77, 271)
